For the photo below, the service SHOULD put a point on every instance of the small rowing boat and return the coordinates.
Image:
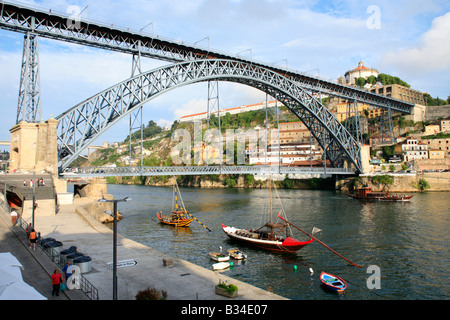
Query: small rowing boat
(221, 265)
(237, 254)
(219, 256)
(332, 282)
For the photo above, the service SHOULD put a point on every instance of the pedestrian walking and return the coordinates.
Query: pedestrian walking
(68, 269)
(56, 281)
(32, 239)
(28, 231)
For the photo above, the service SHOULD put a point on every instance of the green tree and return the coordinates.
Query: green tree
(385, 180)
(429, 101)
(372, 79)
(360, 82)
(249, 178)
(388, 151)
(423, 185)
(386, 79)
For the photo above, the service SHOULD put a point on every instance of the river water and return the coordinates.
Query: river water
(406, 242)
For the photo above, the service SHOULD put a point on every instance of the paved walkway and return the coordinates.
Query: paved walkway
(183, 281)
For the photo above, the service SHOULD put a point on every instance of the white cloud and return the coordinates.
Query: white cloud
(432, 54)
(191, 107)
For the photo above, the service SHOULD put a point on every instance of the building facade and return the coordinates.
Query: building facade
(360, 71)
(445, 125)
(432, 129)
(412, 149)
(399, 92)
(439, 144)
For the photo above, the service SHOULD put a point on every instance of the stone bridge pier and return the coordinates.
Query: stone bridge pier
(34, 147)
(33, 153)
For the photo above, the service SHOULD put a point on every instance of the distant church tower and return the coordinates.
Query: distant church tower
(360, 71)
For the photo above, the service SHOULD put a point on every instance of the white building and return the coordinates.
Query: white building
(289, 154)
(236, 110)
(412, 149)
(360, 71)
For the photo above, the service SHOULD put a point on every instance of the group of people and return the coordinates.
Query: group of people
(57, 278)
(40, 182)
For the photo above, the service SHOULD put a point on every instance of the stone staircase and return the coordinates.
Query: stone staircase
(20, 183)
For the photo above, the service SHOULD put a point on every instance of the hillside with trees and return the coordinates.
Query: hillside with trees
(382, 78)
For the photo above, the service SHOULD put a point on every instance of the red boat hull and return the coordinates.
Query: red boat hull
(287, 245)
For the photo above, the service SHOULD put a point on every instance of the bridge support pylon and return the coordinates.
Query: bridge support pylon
(34, 147)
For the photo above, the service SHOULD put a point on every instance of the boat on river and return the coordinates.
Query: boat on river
(332, 282)
(366, 193)
(236, 254)
(179, 216)
(273, 235)
(219, 256)
(220, 265)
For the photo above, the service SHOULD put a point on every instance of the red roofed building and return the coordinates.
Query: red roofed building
(360, 71)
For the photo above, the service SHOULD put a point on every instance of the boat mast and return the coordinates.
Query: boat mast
(176, 198)
(270, 196)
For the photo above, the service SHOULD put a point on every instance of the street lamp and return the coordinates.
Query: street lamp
(115, 242)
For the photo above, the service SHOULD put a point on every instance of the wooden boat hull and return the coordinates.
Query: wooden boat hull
(366, 193)
(382, 198)
(177, 223)
(333, 282)
(287, 245)
(14, 201)
(396, 198)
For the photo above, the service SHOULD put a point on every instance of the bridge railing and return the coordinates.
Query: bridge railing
(198, 170)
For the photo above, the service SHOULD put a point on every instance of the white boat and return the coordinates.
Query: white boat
(221, 265)
(219, 256)
(236, 254)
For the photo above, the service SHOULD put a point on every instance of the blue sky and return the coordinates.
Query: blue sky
(409, 39)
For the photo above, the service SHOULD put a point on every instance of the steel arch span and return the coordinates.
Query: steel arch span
(85, 122)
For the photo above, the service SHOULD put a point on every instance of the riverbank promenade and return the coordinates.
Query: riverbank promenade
(182, 281)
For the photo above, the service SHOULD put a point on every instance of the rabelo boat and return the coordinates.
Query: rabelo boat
(366, 193)
(273, 235)
(179, 217)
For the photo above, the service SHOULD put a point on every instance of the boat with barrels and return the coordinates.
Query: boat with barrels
(273, 235)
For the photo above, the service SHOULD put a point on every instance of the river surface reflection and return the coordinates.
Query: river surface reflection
(407, 241)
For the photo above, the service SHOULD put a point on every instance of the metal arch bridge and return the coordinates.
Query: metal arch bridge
(80, 125)
(94, 172)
